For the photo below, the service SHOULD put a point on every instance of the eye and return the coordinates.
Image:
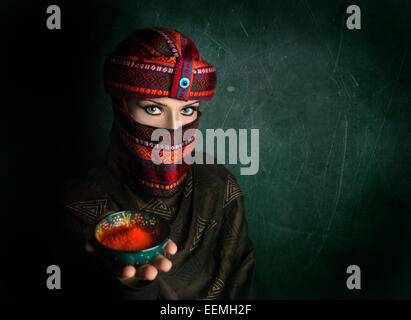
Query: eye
(154, 110)
(188, 111)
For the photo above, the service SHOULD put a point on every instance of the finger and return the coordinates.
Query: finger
(124, 272)
(89, 246)
(121, 272)
(161, 263)
(146, 272)
(171, 247)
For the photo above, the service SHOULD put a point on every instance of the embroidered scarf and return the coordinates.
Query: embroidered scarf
(157, 167)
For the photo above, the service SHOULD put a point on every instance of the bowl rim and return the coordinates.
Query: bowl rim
(162, 220)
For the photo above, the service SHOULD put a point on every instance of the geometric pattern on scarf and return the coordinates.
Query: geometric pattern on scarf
(134, 160)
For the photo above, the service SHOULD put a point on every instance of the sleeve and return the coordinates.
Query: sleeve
(80, 208)
(239, 252)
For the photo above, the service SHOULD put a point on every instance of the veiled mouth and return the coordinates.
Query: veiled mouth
(159, 144)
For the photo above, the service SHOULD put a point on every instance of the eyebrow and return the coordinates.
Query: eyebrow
(162, 104)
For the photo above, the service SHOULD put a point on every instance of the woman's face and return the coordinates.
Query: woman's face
(163, 112)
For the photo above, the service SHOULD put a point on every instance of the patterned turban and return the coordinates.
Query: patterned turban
(159, 62)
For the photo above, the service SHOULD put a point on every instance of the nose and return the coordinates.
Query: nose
(174, 121)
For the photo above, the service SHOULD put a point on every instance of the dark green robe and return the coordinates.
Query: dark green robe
(215, 258)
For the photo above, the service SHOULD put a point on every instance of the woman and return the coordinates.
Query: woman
(156, 79)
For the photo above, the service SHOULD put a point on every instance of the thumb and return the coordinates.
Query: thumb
(89, 246)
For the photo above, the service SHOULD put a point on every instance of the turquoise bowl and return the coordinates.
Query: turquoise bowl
(146, 220)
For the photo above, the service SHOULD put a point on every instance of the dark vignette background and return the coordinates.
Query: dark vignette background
(332, 107)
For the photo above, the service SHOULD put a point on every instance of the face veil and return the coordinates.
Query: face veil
(131, 153)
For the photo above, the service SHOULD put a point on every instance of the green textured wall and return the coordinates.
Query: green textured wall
(332, 107)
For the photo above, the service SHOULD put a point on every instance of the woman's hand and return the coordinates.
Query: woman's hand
(147, 271)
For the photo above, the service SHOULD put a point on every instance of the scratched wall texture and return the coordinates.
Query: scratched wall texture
(333, 110)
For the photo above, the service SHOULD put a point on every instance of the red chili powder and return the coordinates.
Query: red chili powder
(128, 238)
